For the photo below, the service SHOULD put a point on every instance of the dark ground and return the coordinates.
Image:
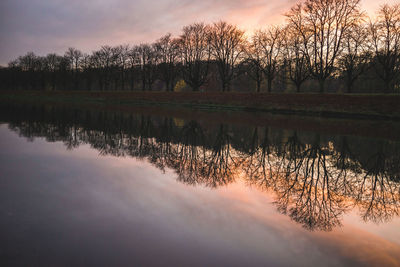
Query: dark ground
(332, 105)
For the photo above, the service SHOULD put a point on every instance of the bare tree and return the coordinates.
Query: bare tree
(148, 62)
(134, 64)
(73, 55)
(52, 65)
(87, 68)
(167, 49)
(227, 45)
(195, 52)
(295, 58)
(103, 61)
(96, 63)
(322, 25)
(253, 62)
(122, 63)
(270, 42)
(355, 56)
(28, 64)
(106, 57)
(385, 33)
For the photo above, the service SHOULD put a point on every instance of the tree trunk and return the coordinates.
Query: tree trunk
(349, 83)
(167, 86)
(321, 86)
(387, 88)
(269, 85)
(298, 85)
(143, 85)
(350, 87)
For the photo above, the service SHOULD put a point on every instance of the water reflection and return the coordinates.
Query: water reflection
(315, 178)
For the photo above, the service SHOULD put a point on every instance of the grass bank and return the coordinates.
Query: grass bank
(326, 105)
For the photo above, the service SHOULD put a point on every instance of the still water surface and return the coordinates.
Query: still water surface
(109, 188)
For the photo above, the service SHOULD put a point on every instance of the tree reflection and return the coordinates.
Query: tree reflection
(315, 179)
(300, 176)
(257, 164)
(307, 192)
(188, 157)
(378, 195)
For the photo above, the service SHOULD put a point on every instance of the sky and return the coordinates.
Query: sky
(45, 26)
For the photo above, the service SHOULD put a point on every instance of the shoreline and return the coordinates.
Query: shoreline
(371, 107)
(387, 129)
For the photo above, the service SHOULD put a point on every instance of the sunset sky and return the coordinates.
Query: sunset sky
(44, 26)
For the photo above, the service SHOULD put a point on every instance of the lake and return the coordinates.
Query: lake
(152, 187)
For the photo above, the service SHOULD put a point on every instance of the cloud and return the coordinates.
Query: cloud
(45, 26)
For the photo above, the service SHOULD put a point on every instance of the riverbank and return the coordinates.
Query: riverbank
(347, 126)
(325, 105)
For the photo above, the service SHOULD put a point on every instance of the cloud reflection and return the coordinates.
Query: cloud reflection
(124, 211)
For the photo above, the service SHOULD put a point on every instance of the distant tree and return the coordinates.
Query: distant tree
(122, 64)
(27, 62)
(355, 57)
(168, 51)
(322, 25)
(103, 60)
(95, 62)
(148, 59)
(227, 45)
(74, 55)
(87, 68)
(134, 64)
(270, 43)
(295, 58)
(253, 62)
(106, 59)
(53, 62)
(385, 34)
(12, 73)
(195, 53)
(40, 72)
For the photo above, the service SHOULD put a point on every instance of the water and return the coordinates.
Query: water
(118, 188)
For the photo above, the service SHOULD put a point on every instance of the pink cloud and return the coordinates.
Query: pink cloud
(45, 26)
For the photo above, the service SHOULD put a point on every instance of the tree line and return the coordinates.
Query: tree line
(324, 45)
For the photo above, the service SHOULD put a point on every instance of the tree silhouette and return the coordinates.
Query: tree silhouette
(295, 57)
(356, 55)
(322, 26)
(227, 45)
(195, 52)
(385, 34)
(168, 51)
(321, 40)
(270, 42)
(253, 62)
